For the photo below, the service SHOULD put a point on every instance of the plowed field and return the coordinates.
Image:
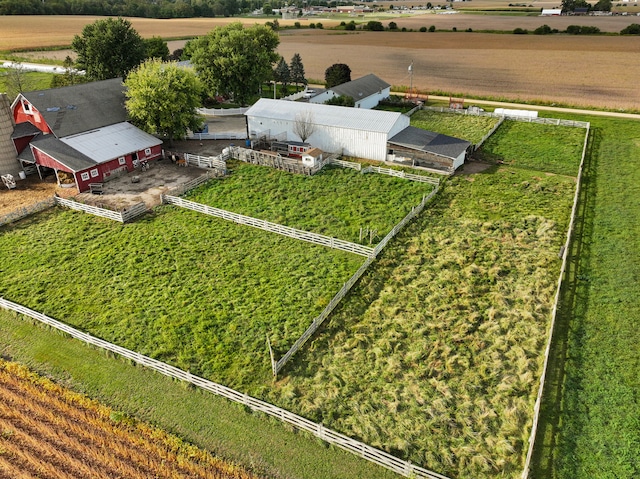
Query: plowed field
(49, 432)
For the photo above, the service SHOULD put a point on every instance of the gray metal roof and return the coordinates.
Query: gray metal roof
(77, 108)
(24, 129)
(362, 87)
(326, 115)
(113, 141)
(72, 159)
(423, 140)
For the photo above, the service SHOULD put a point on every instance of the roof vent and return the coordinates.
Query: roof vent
(53, 108)
(71, 107)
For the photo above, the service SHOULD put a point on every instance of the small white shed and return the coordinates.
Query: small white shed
(312, 157)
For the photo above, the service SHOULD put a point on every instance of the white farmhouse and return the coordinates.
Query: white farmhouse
(333, 129)
(366, 91)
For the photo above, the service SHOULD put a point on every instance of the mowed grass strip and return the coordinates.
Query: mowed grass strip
(335, 201)
(590, 416)
(198, 292)
(466, 127)
(436, 355)
(266, 446)
(548, 148)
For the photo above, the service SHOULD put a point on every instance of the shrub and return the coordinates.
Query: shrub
(582, 30)
(633, 29)
(312, 25)
(543, 30)
(469, 29)
(393, 26)
(297, 25)
(432, 28)
(319, 25)
(374, 26)
(350, 26)
(520, 31)
(404, 29)
(454, 29)
(423, 29)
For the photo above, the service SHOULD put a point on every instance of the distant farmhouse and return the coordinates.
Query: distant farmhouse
(366, 91)
(80, 133)
(369, 134)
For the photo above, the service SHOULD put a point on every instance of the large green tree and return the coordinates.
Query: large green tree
(234, 60)
(162, 98)
(337, 74)
(297, 70)
(108, 48)
(156, 47)
(282, 74)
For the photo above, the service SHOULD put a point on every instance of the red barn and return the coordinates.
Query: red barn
(80, 132)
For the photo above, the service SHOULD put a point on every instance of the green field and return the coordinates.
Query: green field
(29, 81)
(551, 148)
(590, 421)
(467, 127)
(198, 292)
(335, 202)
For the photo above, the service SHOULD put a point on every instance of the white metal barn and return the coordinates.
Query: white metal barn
(336, 129)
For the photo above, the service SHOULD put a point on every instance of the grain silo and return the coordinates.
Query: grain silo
(8, 157)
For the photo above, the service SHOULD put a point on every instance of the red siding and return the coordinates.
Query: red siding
(21, 143)
(156, 151)
(43, 159)
(35, 118)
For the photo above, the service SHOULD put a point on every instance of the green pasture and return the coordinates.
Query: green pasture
(30, 81)
(467, 127)
(335, 202)
(197, 292)
(548, 148)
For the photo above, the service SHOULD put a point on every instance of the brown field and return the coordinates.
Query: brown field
(47, 431)
(586, 71)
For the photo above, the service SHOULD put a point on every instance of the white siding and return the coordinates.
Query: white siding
(459, 161)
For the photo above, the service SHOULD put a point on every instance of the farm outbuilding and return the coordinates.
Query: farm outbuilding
(80, 132)
(418, 147)
(333, 129)
(366, 91)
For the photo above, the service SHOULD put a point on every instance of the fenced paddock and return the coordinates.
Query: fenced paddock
(217, 163)
(360, 449)
(401, 174)
(189, 185)
(121, 216)
(543, 121)
(271, 227)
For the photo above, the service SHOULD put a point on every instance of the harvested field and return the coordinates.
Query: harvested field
(547, 68)
(49, 431)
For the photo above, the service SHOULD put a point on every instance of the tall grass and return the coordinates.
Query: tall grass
(467, 127)
(435, 355)
(197, 292)
(336, 201)
(548, 148)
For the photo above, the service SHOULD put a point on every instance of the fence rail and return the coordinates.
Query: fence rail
(554, 313)
(274, 160)
(121, 216)
(27, 211)
(402, 174)
(489, 133)
(365, 451)
(345, 164)
(189, 185)
(225, 135)
(214, 162)
(544, 121)
(271, 227)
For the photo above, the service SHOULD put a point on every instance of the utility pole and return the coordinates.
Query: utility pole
(410, 79)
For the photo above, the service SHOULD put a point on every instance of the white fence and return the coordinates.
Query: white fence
(544, 121)
(402, 174)
(26, 211)
(224, 135)
(214, 162)
(271, 227)
(554, 313)
(345, 164)
(369, 453)
(489, 133)
(189, 185)
(121, 216)
(222, 111)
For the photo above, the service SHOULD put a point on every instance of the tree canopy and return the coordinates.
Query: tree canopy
(234, 60)
(162, 99)
(337, 74)
(571, 5)
(108, 48)
(296, 68)
(156, 47)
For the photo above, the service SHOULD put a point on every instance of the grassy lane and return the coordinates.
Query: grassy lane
(226, 429)
(198, 292)
(435, 355)
(335, 202)
(591, 415)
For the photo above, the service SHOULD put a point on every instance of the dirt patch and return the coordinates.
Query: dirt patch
(30, 191)
(473, 167)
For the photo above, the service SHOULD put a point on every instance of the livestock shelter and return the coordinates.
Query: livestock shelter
(80, 132)
(333, 129)
(367, 91)
(417, 147)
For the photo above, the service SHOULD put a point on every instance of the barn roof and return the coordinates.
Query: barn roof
(24, 129)
(430, 142)
(326, 115)
(62, 153)
(109, 142)
(362, 87)
(77, 108)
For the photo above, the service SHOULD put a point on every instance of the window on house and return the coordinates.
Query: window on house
(122, 161)
(94, 173)
(147, 151)
(84, 176)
